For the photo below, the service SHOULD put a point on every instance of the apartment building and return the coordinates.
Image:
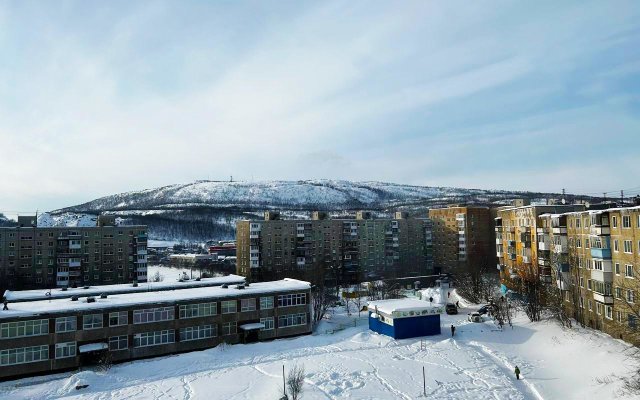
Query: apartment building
(463, 238)
(333, 250)
(53, 335)
(517, 241)
(46, 257)
(597, 271)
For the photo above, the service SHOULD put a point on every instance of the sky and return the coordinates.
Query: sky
(98, 98)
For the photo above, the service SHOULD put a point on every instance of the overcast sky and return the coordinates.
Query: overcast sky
(98, 98)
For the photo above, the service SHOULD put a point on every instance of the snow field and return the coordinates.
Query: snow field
(356, 363)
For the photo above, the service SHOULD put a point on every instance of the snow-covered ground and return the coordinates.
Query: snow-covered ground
(345, 360)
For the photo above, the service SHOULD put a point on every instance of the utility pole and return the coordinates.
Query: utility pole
(424, 383)
(622, 198)
(284, 386)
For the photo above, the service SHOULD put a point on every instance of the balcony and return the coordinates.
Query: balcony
(564, 268)
(498, 254)
(498, 241)
(601, 298)
(601, 276)
(511, 229)
(598, 230)
(512, 256)
(526, 259)
(142, 252)
(511, 243)
(546, 278)
(560, 248)
(601, 253)
(500, 267)
(543, 262)
(544, 246)
(559, 230)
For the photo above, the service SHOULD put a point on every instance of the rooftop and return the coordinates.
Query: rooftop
(389, 306)
(46, 294)
(35, 308)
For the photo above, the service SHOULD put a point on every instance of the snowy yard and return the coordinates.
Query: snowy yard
(355, 363)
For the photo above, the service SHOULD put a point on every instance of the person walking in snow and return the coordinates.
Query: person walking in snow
(517, 371)
(457, 304)
(431, 299)
(453, 330)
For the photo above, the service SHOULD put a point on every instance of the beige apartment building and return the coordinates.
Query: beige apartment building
(598, 273)
(463, 239)
(337, 250)
(517, 241)
(34, 257)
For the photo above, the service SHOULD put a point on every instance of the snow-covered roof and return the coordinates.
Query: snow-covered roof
(34, 308)
(255, 325)
(44, 294)
(389, 306)
(85, 348)
(594, 212)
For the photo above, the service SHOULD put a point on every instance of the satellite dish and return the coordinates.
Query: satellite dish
(564, 201)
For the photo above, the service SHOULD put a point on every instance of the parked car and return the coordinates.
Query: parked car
(474, 317)
(451, 308)
(487, 308)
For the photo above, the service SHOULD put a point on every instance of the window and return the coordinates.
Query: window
(24, 355)
(598, 308)
(617, 268)
(608, 312)
(618, 293)
(597, 265)
(229, 328)
(266, 302)
(628, 271)
(614, 221)
(589, 285)
(615, 245)
(153, 315)
(579, 242)
(247, 305)
(626, 221)
(581, 282)
(590, 303)
(118, 318)
(198, 310)
(118, 343)
(92, 321)
(577, 222)
(196, 333)
(632, 321)
(289, 300)
(292, 320)
(628, 246)
(66, 350)
(268, 323)
(153, 338)
(619, 316)
(229, 307)
(24, 328)
(66, 324)
(630, 296)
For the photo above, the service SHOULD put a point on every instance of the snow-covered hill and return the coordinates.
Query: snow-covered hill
(323, 194)
(205, 210)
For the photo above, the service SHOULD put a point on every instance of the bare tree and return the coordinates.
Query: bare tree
(532, 290)
(477, 284)
(105, 361)
(157, 277)
(295, 382)
(321, 300)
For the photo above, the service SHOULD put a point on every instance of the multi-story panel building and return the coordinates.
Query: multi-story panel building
(591, 257)
(46, 257)
(342, 250)
(53, 335)
(517, 241)
(463, 238)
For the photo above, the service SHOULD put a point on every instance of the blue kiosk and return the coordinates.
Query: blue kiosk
(404, 318)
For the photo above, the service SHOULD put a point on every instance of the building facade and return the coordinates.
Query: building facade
(46, 257)
(463, 238)
(338, 250)
(46, 336)
(517, 241)
(593, 261)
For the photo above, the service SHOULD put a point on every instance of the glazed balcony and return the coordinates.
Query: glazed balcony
(604, 254)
